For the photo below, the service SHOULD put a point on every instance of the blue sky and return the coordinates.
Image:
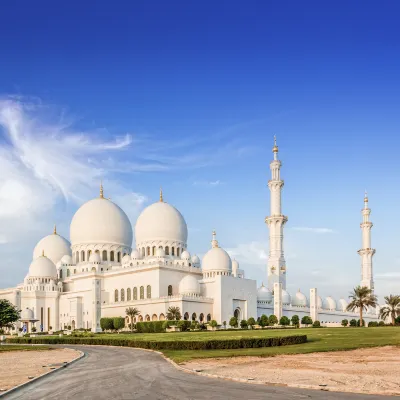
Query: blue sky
(188, 96)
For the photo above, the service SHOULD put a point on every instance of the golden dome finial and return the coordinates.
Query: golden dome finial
(161, 195)
(101, 190)
(55, 229)
(275, 148)
(365, 196)
(214, 242)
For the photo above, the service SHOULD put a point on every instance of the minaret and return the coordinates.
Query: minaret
(366, 252)
(275, 222)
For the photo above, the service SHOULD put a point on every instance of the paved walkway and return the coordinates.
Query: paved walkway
(123, 373)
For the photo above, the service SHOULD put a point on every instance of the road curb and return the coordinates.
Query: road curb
(22, 385)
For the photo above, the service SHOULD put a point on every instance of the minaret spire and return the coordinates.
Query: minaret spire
(55, 229)
(366, 253)
(276, 222)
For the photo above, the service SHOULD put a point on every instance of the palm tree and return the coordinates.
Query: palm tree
(173, 314)
(391, 309)
(132, 312)
(361, 299)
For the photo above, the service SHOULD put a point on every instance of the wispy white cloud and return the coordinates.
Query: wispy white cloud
(251, 253)
(312, 230)
(208, 183)
(388, 275)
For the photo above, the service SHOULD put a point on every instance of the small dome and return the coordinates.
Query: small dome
(195, 259)
(27, 314)
(263, 293)
(42, 267)
(160, 252)
(189, 285)
(329, 304)
(300, 300)
(216, 259)
(185, 255)
(54, 246)
(101, 221)
(95, 258)
(160, 221)
(342, 305)
(135, 255)
(66, 260)
(285, 297)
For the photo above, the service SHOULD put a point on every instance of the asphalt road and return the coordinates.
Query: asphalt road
(124, 373)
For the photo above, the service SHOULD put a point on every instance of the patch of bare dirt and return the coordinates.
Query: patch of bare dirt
(373, 371)
(17, 366)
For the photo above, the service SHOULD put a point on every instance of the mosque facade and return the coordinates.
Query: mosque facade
(98, 274)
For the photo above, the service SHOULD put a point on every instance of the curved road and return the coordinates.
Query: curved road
(125, 373)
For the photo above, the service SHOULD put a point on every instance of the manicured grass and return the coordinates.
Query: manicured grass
(23, 348)
(319, 340)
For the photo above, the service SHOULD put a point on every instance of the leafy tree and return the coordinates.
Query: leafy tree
(243, 324)
(306, 320)
(381, 323)
(353, 322)
(119, 323)
(358, 323)
(224, 324)
(295, 320)
(251, 321)
(233, 322)
(284, 321)
(272, 320)
(194, 325)
(213, 323)
(264, 320)
(316, 324)
(397, 320)
(8, 314)
(345, 322)
(174, 314)
(106, 324)
(372, 324)
(390, 309)
(131, 326)
(361, 299)
(132, 312)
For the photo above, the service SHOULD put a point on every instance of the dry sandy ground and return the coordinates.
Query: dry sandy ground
(374, 371)
(17, 366)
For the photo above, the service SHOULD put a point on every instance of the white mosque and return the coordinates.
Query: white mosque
(99, 274)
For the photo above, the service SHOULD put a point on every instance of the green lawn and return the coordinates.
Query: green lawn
(18, 347)
(324, 339)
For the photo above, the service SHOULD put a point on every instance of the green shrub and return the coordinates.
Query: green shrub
(272, 320)
(397, 320)
(119, 323)
(251, 321)
(194, 325)
(33, 328)
(264, 320)
(358, 322)
(306, 320)
(284, 321)
(184, 325)
(214, 344)
(316, 324)
(233, 322)
(372, 323)
(345, 322)
(150, 326)
(381, 323)
(106, 324)
(243, 324)
(213, 323)
(295, 320)
(167, 324)
(224, 324)
(353, 322)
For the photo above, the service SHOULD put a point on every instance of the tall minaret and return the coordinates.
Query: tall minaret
(275, 222)
(366, 252)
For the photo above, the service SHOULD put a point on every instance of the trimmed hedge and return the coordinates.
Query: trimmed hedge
(242, 343)
(150, 327)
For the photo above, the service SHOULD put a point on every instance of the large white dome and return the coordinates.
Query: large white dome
(101, 221)
(329, 304)
(299, 300)
(54, 247)
(42, 267)
(216, 259)
(264, 294)
(160, 222)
